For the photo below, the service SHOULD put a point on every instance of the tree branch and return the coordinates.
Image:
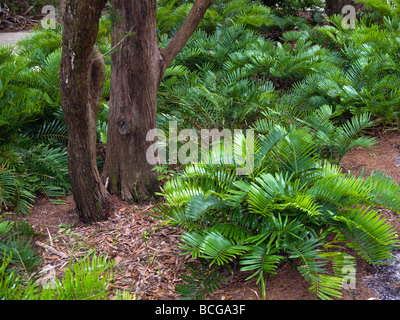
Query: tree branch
(183, 35)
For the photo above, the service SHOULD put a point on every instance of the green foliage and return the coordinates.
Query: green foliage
(364, 77)
(201, 281)
(332, 140)
(17, 249)
(310, 93)
(292, 7)
(386, 8)
(86, 279)
(13, 287)
(172, 14)
(200, 88)
(32, 132)
(285, 209)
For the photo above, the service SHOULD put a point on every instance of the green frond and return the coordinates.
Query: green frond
(86, 279)
(13, 286)
(267, 190)
(198, 205)
(200, 282)
(384, 191)
(261, 259)
(236, 225)
(313, 268)
(53, 132)
(368, 233)
(341, 261)
(340, 190)
(212, 246)
(219, 249)
(191, 243)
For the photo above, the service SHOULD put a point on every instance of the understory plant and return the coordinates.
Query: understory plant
(251, 14)
(364, 75)
(21, 277)
(17, 250)
(332, 138)
(33, 133)
(293, 206)
(86, 279)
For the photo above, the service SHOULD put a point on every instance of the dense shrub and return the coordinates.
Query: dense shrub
(291, 206)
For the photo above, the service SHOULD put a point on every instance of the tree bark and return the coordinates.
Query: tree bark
(63, 7)
(137, 67)
(82, 76)
(336, 6)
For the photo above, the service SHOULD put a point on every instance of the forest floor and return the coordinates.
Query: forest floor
(147, 254)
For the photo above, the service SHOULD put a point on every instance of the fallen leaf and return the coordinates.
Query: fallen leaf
(170, 260)
(118, 259)
(54, 257)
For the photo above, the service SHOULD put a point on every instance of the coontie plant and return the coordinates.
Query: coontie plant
(291, 207)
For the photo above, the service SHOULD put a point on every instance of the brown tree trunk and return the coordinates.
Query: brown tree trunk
(137, 67)
(81, 82)
(62, 7)
(336, 6)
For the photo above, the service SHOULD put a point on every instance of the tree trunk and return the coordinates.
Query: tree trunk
(135, 74)
(336, 6)
(137, 67)
(81, 83)
(62, 7)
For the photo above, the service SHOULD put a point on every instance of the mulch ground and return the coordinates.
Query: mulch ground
(12, 22)
(147, 255)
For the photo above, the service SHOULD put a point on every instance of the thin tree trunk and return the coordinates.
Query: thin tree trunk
(135, 75)
(137, 67)
(81, 82)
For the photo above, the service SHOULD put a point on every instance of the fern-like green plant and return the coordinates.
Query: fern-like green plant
(18, 251)
(12, 286)
(366, 77)
(252, 15)
(284, 209)
(30, 115)
(200, 88)
(201, 281)
(332, 138)
(388, 8)
(86, 279)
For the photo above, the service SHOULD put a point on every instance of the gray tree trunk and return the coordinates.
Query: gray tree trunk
(82, 76)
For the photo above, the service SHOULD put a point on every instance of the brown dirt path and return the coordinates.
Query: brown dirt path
(12, 37)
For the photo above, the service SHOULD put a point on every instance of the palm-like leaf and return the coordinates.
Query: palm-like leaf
(368, 233)
(384, 190)
(200, 282)
(261, 259)
(313, 268)
(211, 245)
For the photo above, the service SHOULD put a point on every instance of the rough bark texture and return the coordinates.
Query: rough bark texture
(81, 82)
(137, 67)
(336, 6)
